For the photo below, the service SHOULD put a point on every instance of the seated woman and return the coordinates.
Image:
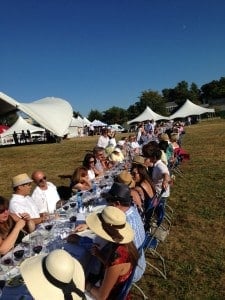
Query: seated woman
(80, 180)
(122, 256)
(12, 227)
(89, 163)
(126, 178)
(143, 184)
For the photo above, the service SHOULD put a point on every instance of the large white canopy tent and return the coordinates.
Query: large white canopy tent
(18, 126)
(148, 114)
(190, 109)
(54, 114)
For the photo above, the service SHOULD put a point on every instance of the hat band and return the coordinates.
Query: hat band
(111, 230)
(67, 288)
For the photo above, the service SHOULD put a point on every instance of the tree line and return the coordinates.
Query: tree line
(207, 93)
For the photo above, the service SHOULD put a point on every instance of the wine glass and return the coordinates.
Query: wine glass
(37, 243)
(18, 252)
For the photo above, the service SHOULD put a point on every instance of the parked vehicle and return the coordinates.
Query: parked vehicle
(117, 127)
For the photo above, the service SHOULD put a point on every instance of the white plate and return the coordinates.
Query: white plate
(27, 239)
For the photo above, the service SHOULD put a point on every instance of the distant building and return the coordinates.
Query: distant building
(170, 106)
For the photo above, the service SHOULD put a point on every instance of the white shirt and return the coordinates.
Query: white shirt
(103, 141)
(91, 174)
(157, 177)
(46, 200)
(19, 204)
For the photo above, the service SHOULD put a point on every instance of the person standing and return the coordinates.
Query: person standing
(103, 140)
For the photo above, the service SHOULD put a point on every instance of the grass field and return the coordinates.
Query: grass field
(195, 248)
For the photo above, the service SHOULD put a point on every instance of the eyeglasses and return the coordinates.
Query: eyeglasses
(42, 179)
(134, 173)
(29, 184)
(3, 210)
(91, 161)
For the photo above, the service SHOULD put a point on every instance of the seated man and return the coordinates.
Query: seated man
(21, 203)
(45, 194)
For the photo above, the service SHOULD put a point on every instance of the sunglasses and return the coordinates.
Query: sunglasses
(3, 210)
(134, 173)
(29, 184)
(42, 179)
(91, 161)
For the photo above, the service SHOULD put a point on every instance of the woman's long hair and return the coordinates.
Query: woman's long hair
(87, 158)
(79, 172)
(6, 227)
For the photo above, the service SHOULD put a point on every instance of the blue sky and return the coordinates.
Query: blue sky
(99, 54)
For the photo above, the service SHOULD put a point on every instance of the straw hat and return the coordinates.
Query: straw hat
(126, 178)
(113, 218)
(116, 155)
(21, 179)
(139, 160)
(164, 137)
(58, 266)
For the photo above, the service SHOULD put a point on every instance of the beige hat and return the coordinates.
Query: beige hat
(126, 178)
(116, 155)
(108, 223)
(164, 137)
(45, 276)
(139, 160)
(21, 179)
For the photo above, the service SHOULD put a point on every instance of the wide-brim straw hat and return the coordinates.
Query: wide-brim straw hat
(21, 179)
(115, 217)
(61, 265)
(126, 178)
(139, 160)
(116, 155)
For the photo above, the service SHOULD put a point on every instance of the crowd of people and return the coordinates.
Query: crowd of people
(145, 161)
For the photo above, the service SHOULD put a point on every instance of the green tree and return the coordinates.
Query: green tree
(95, 114)
(194, 93)
(154, 100)
(181, 92)
(76, 114)
(214, 89)
(115, 115)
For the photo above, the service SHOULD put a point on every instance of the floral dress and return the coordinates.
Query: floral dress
(120, 255)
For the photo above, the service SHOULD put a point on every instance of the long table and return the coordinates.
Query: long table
(53, 240)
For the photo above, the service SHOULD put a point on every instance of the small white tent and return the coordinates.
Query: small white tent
(148, 114)
(190, 109)
(86, 121)
(18, 126)
(75, 128)
(97, 123)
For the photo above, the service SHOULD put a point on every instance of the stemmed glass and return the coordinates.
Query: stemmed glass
(18, 252)
(37, 243)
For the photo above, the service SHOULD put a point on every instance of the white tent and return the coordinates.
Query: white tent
(54, 114)
(190, 109)
(148, 114)
(86, 121)
(97, 123)
(18, 126)
(76, 127)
